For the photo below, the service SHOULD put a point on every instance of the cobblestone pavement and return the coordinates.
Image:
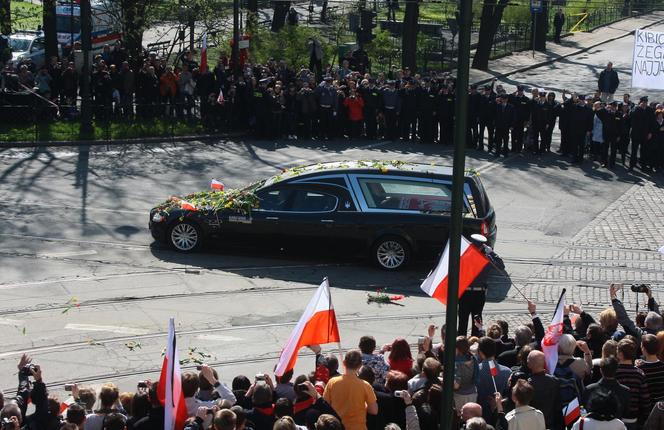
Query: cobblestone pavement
(619, 245)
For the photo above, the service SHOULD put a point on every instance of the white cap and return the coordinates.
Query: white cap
(479, 238)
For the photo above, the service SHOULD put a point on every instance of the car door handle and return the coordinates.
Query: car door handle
(327, 221)
(272, 218)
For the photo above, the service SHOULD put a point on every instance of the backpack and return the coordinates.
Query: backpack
(570, 385)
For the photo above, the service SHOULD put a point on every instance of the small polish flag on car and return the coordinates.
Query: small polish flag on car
(216, 185)
(572, 412)
(492, 368)
(188, 206)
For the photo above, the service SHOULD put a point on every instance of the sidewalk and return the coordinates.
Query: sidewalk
(571, 45)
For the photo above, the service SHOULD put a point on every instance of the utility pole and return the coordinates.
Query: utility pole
(235, 54)
(456, 222)
(86, 46)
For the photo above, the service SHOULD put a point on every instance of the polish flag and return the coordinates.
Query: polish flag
(552, 336)
(188, 206)
(317, 326)
(492, 368)
(472, 263)
(220, 99)
(572, 411)
(203, 67)
(65, 405)
(169, 390)
(217, 185)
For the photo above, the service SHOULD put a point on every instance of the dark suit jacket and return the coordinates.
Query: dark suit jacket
(547, 399)
(620, 391)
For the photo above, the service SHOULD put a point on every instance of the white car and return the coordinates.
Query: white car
(28, 44)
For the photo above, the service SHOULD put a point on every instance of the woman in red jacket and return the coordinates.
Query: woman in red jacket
(400, 357)
(355, 106)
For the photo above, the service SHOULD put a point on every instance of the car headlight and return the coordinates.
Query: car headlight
(158, 217)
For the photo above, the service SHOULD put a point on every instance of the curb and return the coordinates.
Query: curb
(138, 141)
(553, 60)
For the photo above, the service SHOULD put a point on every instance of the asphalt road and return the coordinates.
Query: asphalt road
(88, 294)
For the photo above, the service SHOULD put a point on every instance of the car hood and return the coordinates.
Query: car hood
(18, 55)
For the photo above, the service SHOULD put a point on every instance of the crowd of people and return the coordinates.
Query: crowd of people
(611, 366)
(275, 100)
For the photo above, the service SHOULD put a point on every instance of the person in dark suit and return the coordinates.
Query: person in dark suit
(487, 118)
(522, 108)
(504, 123)
(558, 22)
(642, 119)
(547, 391)
(608, 367)
(581, 126)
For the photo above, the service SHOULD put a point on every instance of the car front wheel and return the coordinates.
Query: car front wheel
(185, 236)
(391, 253)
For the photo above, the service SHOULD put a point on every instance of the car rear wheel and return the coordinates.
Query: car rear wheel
(391, 253)
(185, 236)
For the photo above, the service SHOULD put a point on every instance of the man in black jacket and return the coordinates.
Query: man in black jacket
(474, 102)
(487, 117)
(608, 367)
(522, 107)
(608, 82)
(642, 119)
(611, 130)
(581, 127)
(446, 114)
(504, 122)
(547, 391)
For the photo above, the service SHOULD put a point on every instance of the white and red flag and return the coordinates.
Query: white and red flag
(217, 185)
(472, 263)
(203, 67)
(492, 368)
(220, 98)
(188, 206)
(317, 326)
(169, 390)
(572, 412)
(552, 336)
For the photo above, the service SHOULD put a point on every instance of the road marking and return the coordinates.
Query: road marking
(7, 321)
(69, 206)
(107, 328)
(218, 337)
(67, 254)
(128, 246)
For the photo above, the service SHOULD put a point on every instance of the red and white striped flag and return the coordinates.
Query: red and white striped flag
(492, 368)
(572, 412)
(203, 67)
(216, 185)
(220, 99)
(188, 206)
(317, 326)
(552, 336)
(472, 263)
(169, 390)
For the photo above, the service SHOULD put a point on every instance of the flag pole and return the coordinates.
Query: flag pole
(329, 292)
(456, 218)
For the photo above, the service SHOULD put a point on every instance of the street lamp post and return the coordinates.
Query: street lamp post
(458, 172)
(86, 46)
(235, 54)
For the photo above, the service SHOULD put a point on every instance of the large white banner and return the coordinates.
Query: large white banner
(648, 60)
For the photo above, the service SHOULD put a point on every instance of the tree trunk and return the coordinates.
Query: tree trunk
(251, 19)
(323, 11)
(540, 27)
(5, 17)
(409, 36)
(133, 23)
(50, 32)
(279, 16)
(492, 14)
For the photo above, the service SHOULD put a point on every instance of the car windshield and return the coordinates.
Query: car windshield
(19, 45)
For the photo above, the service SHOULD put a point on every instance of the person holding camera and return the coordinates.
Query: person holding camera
(653, 321)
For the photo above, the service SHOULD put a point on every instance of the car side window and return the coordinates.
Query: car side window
(399, 194)
(275, 199)
(37, 45)
(313, 201)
